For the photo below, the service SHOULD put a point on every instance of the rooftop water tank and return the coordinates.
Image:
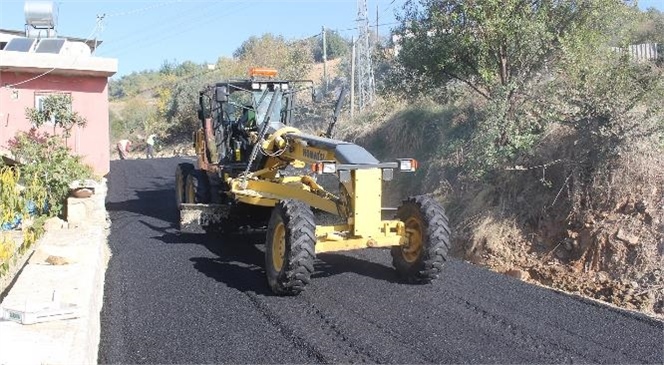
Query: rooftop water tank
(76, 49)
(40, 14)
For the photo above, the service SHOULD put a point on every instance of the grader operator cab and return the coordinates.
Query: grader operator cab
(255, 170)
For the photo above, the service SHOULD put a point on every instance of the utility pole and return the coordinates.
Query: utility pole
(352, 78)
(377, 39)
(365, 79)
(99, 27)
(324, 61)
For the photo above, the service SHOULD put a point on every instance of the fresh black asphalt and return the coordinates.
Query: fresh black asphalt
(172, 298)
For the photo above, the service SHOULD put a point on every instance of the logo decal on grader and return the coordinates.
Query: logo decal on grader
(313, 154)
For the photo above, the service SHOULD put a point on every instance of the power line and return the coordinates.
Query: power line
(369, 26)
(144, 9)
(164, 37)
(177, 81)
(165, 24)
(388, 7)
(175, 30)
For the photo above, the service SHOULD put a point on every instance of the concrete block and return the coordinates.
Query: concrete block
(78, 210)
(89, 210)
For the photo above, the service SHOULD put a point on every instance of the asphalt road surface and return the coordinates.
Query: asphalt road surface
(172, 298)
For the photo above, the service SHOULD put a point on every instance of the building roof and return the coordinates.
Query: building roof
(74, 59)
(93, 44)
(57, 64)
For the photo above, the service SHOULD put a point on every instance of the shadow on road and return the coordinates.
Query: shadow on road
(239, 265)
(240, 262)
(331, 264)
(148, 203)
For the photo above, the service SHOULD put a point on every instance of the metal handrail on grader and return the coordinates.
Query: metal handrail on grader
(255, 170)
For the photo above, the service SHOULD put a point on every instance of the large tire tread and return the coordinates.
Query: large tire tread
(300, 251)
(182, 170)
(201, 186)
(436, 246)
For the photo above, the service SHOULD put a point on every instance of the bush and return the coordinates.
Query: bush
(12, 205)
(47, 168)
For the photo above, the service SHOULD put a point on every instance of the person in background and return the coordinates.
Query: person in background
(123, 147)
(150, 142)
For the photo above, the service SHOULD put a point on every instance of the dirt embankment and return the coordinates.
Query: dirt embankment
(611, 248)
(597, 231)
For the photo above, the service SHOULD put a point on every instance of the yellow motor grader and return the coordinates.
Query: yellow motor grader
(255, 170)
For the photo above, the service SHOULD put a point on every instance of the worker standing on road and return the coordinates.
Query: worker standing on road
(150, 143)
(123, 147)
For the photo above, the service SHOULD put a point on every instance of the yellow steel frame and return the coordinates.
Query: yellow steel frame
(364, 227)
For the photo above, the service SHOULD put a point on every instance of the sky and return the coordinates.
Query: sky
(143, 35)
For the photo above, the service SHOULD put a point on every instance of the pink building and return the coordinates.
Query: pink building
(62, 66)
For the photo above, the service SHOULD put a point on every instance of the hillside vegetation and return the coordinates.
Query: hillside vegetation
(532, 122)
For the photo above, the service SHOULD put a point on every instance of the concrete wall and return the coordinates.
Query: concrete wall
(89, 99)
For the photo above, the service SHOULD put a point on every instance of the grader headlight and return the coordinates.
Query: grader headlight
(407, 164)
(388, 174)
(324, 167)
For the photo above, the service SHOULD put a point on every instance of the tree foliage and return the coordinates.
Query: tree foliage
(48, 166)
(492, 45)
(137, 116)
(166, 101)
(337, 46)
(47, 169)
(133, 84)
(57, 109)
(510, 54)
(650, 28)
(291, 59)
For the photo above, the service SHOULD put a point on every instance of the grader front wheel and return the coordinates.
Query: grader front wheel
(289, 247)
(421, 257)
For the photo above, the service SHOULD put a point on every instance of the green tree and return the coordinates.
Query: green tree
(134, 84)
(506, 52)
(138, 115)
(497, 47)
(650, 27)
(57, 109)
(182, 109)
(292, 59)
(47, 169)
(337, 46)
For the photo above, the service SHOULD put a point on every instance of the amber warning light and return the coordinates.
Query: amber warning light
(265, 72)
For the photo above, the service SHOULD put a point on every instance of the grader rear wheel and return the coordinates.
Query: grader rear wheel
(197, 187)
(181, 172)
(289, 247)
(421, 258)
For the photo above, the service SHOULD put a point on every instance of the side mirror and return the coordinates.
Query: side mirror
(221, 94)
(316, 96)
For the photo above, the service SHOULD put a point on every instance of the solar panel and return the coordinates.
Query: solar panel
(52, 45)
(20, 44)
